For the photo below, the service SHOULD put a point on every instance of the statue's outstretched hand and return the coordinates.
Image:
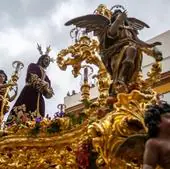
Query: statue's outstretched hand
(156, 44)
(159, 58)
(12, 84)
(157, 54)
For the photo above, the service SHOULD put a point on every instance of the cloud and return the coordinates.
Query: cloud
(26, 22)
(22, 11)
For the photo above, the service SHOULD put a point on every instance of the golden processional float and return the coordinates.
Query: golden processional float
(109, 133)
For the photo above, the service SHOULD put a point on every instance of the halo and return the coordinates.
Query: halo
(118, 7)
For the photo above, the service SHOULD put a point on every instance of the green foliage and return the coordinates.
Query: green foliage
(77, 119)
(53, 128)
(36, 130)
(73, 118)
(86, 103)
(81, 118)
(92, 160)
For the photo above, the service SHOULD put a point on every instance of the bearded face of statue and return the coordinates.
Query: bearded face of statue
(44, 61)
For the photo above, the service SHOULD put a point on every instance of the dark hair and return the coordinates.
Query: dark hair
(41, 58)
(6, 78)
(153, 117)
(114, 15)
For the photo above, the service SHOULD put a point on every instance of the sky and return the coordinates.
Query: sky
(26, 22)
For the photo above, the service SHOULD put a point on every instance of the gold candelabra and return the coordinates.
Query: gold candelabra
(86, 49)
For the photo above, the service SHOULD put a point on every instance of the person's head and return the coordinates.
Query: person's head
(44, 61)
(157, 119)
(115, 15)
(3, 77)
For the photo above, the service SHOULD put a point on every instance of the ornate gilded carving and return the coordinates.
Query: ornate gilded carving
(127, 119)
(104, 11)
(44, 151)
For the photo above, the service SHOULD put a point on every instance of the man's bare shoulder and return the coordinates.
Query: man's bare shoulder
(151, 153)
(152, 143)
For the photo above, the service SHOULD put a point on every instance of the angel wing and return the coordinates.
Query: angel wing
(132, 149)
(137, 24)
(91, 23)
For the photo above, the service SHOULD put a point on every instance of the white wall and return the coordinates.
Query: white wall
(73, 100)
(166, 97)
(164, 48)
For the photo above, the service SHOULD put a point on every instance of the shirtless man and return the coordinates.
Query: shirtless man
(157, 148)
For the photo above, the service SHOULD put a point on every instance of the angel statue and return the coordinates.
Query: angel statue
(120, 48)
